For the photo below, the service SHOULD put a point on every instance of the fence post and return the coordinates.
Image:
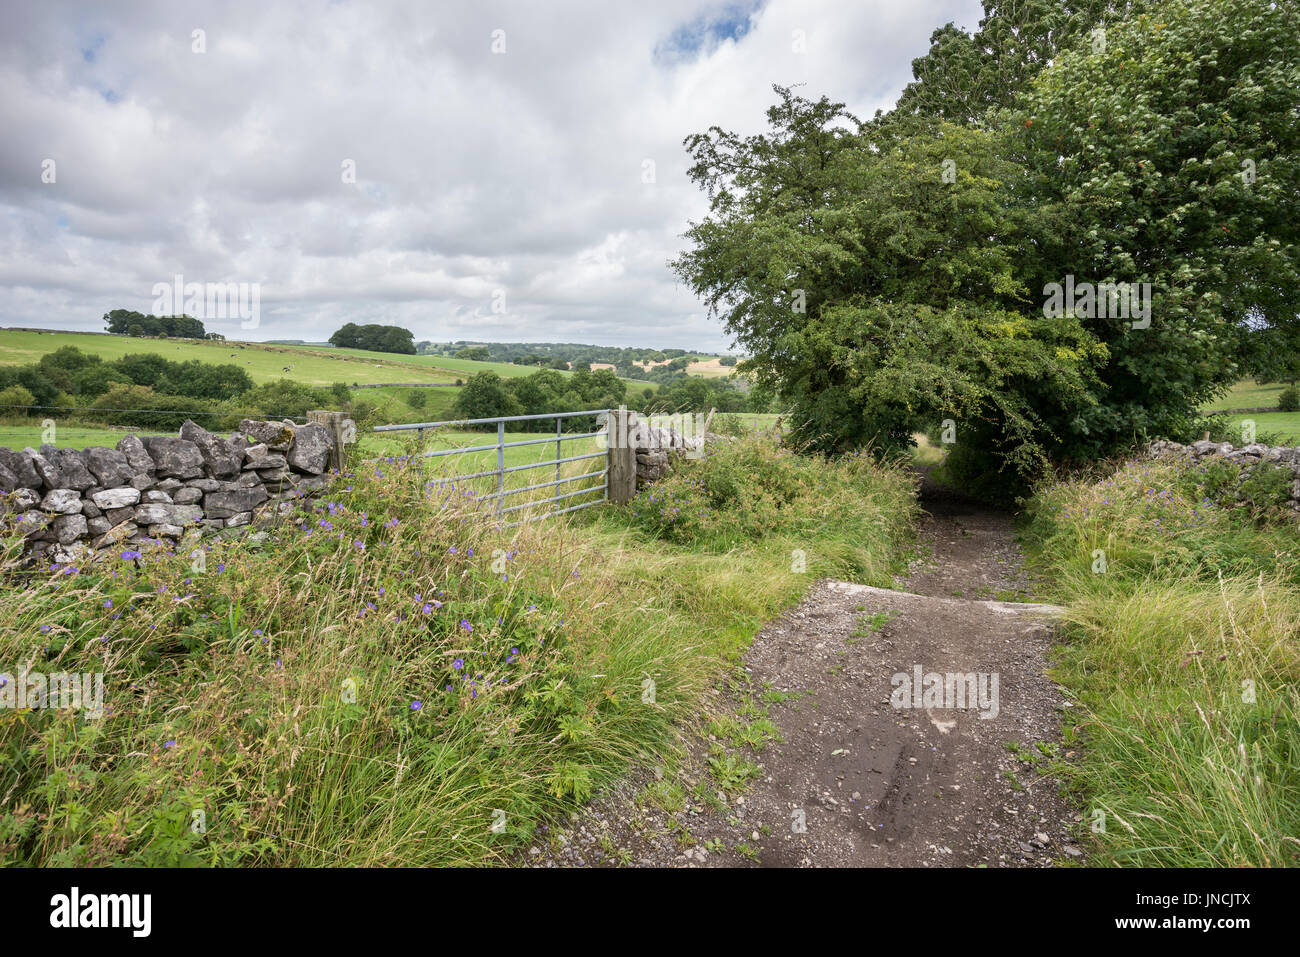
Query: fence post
(559, 431)
(621, 456)
(336, 422)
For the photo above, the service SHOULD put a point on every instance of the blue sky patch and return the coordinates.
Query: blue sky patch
(707, 32)
(92, 48)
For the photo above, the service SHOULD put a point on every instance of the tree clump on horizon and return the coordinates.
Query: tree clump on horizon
(125, 322)
(374, 338)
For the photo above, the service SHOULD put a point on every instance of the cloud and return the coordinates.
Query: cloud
(475, 171)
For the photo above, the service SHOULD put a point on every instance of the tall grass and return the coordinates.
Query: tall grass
(1184, 650)
(388, 678)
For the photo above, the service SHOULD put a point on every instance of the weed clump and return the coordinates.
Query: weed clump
(751, 488)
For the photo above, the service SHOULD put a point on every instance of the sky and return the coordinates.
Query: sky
(473, 170)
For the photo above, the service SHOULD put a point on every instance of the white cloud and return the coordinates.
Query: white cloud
(475, 171)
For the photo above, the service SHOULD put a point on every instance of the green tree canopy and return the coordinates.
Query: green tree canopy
(375, 338)
(485, 396)
(966, 76)
(874, 295)
(1172, 155)
(124, 322)
(884, 275)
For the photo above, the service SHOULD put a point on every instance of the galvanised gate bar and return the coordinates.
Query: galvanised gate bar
(501, 471)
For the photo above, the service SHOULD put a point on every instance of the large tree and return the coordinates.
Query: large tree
(887, 274)
(871, 276)
(1172, 154)
(485, 396)
(965, 77)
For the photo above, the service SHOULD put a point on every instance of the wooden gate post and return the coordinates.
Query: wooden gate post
(621, 455)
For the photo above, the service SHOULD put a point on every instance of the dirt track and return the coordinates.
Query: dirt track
(853, 778)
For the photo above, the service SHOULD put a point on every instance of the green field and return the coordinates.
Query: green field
(507, 370)
(468, 367)
(265, 362)
(15, 434)
(1283, 424)
(389, 447)
(262, 363)
(756, 420)
(405, 443)
(393, 404)
(452, 368)
(1247, 394)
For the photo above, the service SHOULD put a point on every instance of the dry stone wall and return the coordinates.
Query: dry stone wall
(67, 501)
(1246, 458)
(654, 446)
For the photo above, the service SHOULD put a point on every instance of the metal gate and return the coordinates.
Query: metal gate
(501, 471)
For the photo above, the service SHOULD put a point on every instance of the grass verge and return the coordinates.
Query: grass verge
(1183, 647)
(390, 679)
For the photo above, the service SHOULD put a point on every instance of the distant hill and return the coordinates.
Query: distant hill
(312, 363)
(264, 362)
(639, 363)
